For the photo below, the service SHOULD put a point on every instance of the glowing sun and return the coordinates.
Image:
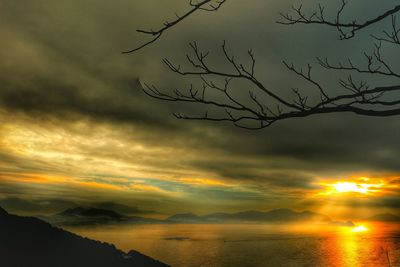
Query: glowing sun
(344, 187)
(358, 186)
(359, 229)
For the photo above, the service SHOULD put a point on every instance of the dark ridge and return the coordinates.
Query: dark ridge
(30, 242)
(3, 212)
(185, 218)
(274, 216)
(91, 212)
(81, 216)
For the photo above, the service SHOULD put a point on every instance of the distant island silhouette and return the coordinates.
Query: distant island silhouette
(89, 216)
(81, 216)
(31, 242)
(272, 216)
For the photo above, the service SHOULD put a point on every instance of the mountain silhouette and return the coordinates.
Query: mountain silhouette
(81, 216)
(277, 215)
(121, 208)
(93, 216)
(91, 212)
(186, 218)
(30, 242)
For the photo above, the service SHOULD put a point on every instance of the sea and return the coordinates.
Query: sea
(257, 245)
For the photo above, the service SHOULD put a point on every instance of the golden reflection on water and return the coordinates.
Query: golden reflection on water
(344, 247)
(253, 245)
(361, 245)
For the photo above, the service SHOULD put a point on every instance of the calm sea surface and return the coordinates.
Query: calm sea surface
(249, 245)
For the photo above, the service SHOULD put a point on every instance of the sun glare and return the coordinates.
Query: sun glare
(359, 229)
(343, 187)
(360, 186)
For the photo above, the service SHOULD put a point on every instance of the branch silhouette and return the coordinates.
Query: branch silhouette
(263, 106)
(318, 17)
(205, 5)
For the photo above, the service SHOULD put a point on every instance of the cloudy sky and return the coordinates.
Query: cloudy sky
(76, 128)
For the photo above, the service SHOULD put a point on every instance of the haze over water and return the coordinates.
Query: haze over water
(251, 245)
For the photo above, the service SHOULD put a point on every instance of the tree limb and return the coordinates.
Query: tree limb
(205, 5)
(219, 87)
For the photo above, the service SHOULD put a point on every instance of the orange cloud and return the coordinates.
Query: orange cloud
(29, 178)
(202, 181)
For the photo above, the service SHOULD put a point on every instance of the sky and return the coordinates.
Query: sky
(77, 129)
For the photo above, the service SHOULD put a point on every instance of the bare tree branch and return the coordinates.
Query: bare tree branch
(361, 100)
(235, 94)
(205, 5)
(392, 37)
(318, 17)
(375, 64)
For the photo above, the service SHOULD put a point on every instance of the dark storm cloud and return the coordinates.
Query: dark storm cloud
(253, 171)
(342, 142)
(390, 202)
(50, 97)
(56, 61)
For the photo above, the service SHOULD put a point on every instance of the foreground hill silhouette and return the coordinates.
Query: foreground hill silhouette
(30, 242)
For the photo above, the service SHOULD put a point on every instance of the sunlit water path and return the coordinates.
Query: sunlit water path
(232, 245)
